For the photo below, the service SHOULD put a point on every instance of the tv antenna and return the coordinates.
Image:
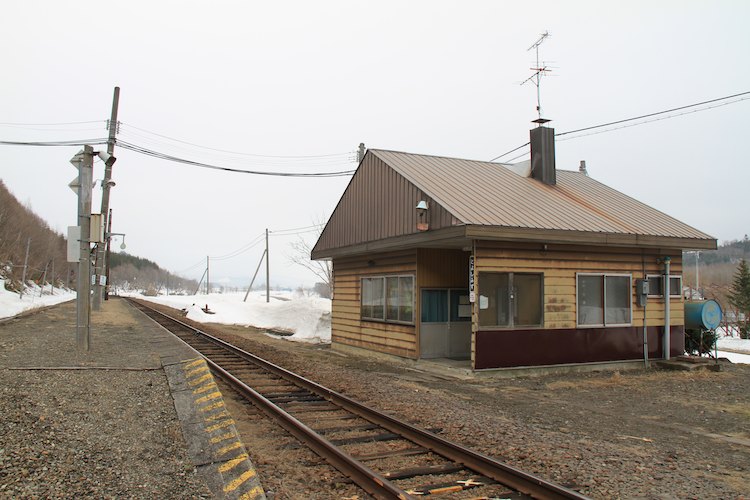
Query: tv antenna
(539, 70)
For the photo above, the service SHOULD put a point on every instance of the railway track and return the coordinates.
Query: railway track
(383, 455)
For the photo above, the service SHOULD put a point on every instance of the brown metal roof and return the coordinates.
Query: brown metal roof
(489, 194)
(482, 200)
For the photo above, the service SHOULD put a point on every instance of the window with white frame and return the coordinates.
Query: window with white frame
(388, 298)
(656, 285)
(604, 299)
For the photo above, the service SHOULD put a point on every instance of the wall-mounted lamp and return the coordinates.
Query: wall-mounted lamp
(422, 224)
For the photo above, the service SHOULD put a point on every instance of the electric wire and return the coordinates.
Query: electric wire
(616, 122)
(51, 124)
(244, 159)
(348, 153)
(200, 262)
(255, 241)
(176, 159)
(72, 142)
(737, 98)
(629, 125)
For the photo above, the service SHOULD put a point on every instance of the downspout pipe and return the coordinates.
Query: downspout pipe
(667, 295)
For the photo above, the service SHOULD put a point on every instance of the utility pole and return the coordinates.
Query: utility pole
(360, 152)
(208, 287)
(84, 160)
(268, 268)
(25, 266)
(44, 279)
(106, 185)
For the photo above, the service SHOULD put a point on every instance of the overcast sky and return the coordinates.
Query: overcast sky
(305, 79)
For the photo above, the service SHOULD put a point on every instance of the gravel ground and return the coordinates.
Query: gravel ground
(88, 433)
(635, 434)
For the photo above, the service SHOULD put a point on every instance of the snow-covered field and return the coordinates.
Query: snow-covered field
(11, 304)
(307, 319)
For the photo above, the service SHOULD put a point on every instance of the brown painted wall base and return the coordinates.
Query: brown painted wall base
(508, 348)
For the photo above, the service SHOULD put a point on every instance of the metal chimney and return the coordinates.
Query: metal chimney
(582, 168)
(543, 155)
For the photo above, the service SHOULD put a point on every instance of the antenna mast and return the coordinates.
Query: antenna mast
(540, 70)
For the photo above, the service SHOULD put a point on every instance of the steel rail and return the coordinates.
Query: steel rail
(503, 473)
(369, 480)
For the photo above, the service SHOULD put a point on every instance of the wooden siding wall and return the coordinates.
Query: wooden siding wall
(346, 325)
(560, 263)
(442, 268)
(378, 203)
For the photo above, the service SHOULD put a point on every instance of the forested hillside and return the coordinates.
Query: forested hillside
(128, 272)
(21, 228)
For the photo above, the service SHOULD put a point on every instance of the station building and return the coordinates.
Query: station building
(502, 266)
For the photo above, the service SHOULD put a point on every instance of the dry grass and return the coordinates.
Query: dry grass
(634, 381)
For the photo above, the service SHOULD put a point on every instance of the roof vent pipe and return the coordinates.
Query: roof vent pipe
(543, 155)
(582, 168)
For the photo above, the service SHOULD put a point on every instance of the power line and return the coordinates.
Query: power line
(72, 142)
(348, 153)
(50, 124)
(254, 242)
(641, 117)
(658, 113)
(176, 159)
(652, 120)
(511, 151)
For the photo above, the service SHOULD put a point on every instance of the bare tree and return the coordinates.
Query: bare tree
(322, 269)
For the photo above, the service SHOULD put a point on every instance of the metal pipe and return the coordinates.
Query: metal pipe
(667, 325)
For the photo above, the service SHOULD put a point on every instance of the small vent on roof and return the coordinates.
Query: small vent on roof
(582, 168)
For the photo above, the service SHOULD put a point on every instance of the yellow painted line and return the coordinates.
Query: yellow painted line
(219, 415)
(254, 493)
(198, 381)
(223, 437)
(209, 397)
(238, 482)
(204, 388)
(229, 448)
(231, 464)
(196, 362)
(220, 425)
(193, 373)
(214, 406)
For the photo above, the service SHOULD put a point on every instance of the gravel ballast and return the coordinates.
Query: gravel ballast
(100, 424)
(631, 434)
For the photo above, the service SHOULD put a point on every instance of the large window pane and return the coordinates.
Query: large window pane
(392, 302)
(372, 298)
(406, 299)
(527, 299)
(378, 298)
(510, 299)
(494, 299)
(590, 306)
(617, 300)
